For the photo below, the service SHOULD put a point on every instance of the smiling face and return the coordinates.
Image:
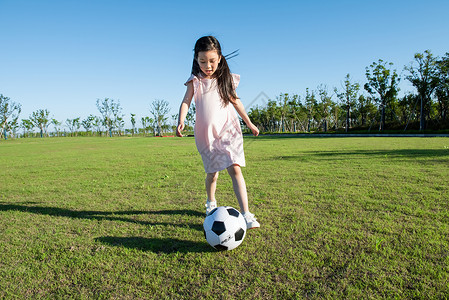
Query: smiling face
(208, 62)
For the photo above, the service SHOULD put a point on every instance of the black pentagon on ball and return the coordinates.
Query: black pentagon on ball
(233, 212)
(218, 227)
(221, 247)
(239, 234)
(212, 211)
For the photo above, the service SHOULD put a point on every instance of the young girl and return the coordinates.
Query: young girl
(218, 135)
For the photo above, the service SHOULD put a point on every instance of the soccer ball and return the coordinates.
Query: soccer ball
(224, 228)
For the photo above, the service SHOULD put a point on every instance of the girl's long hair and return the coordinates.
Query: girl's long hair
(223, 75)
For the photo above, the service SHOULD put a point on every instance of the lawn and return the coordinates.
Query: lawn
(122, 218)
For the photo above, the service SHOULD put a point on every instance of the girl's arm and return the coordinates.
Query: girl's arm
(183, 110)
(242, 113)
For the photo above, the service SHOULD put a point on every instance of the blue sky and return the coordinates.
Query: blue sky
(64, 55)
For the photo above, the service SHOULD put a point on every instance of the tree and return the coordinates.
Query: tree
(111, 112)
(294, 110)
(407, 106)
(265, 117)
(159, 109)
(27, 126)
(40, 119)
(325, 104)
(442, 90)
(255, 114)
(348, 97)
(190, 117)
(8, 110)
(56, 123)
(97, 123)
(146, 124)
(87, 123)
(310, 105)
(74, 125)
(133, 123)
(283, 101)
(383, 82)
(424, 77)
(119, 123)
(365, 108)
(13, 126)
(272, 115)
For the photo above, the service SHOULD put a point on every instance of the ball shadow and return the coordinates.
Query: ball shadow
(157, 245)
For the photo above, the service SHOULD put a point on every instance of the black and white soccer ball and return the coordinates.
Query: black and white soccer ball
(224, 228)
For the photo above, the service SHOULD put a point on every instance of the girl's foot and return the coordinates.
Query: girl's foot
(210, 205)
(251, 221)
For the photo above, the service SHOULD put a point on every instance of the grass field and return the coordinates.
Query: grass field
(122, 218)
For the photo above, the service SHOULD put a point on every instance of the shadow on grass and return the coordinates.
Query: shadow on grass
(104, 215)
(156, 245)
(400, 153)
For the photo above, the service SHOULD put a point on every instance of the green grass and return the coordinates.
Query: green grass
(122, 218)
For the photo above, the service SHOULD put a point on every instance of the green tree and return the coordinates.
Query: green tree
(97, 123)
(266, 118)
(73, 125)
(255, 114)
(294, 110)
(9, 114)
(119, 123)
(335, 116)
(382, 82)
(159, 109)
(325, 105)
(272, 115)
(56, 123)
(310, 104)
(12, 126)
(27, 127)
(365, 108)
(283, 108)
(407, 108)
(423, 75)
(40, 119)
(111, 112)
(146, 124)
(190, 117)
(442, 90)
(348, 97)
(133, 123)
(87, 123)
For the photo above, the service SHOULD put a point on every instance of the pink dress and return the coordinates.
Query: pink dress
(218, 135)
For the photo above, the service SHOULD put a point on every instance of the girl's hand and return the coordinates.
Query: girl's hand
(254, 129)
(179, 129)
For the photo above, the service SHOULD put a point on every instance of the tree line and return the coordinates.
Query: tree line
(110, 122)
(348, 108)
(322, 109)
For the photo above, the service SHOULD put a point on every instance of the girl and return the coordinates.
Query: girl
(218, 135)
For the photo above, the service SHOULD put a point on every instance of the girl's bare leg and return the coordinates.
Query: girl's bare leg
(211, 186)
(238, 182)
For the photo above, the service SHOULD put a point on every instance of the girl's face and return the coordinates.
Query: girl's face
(208, 62)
